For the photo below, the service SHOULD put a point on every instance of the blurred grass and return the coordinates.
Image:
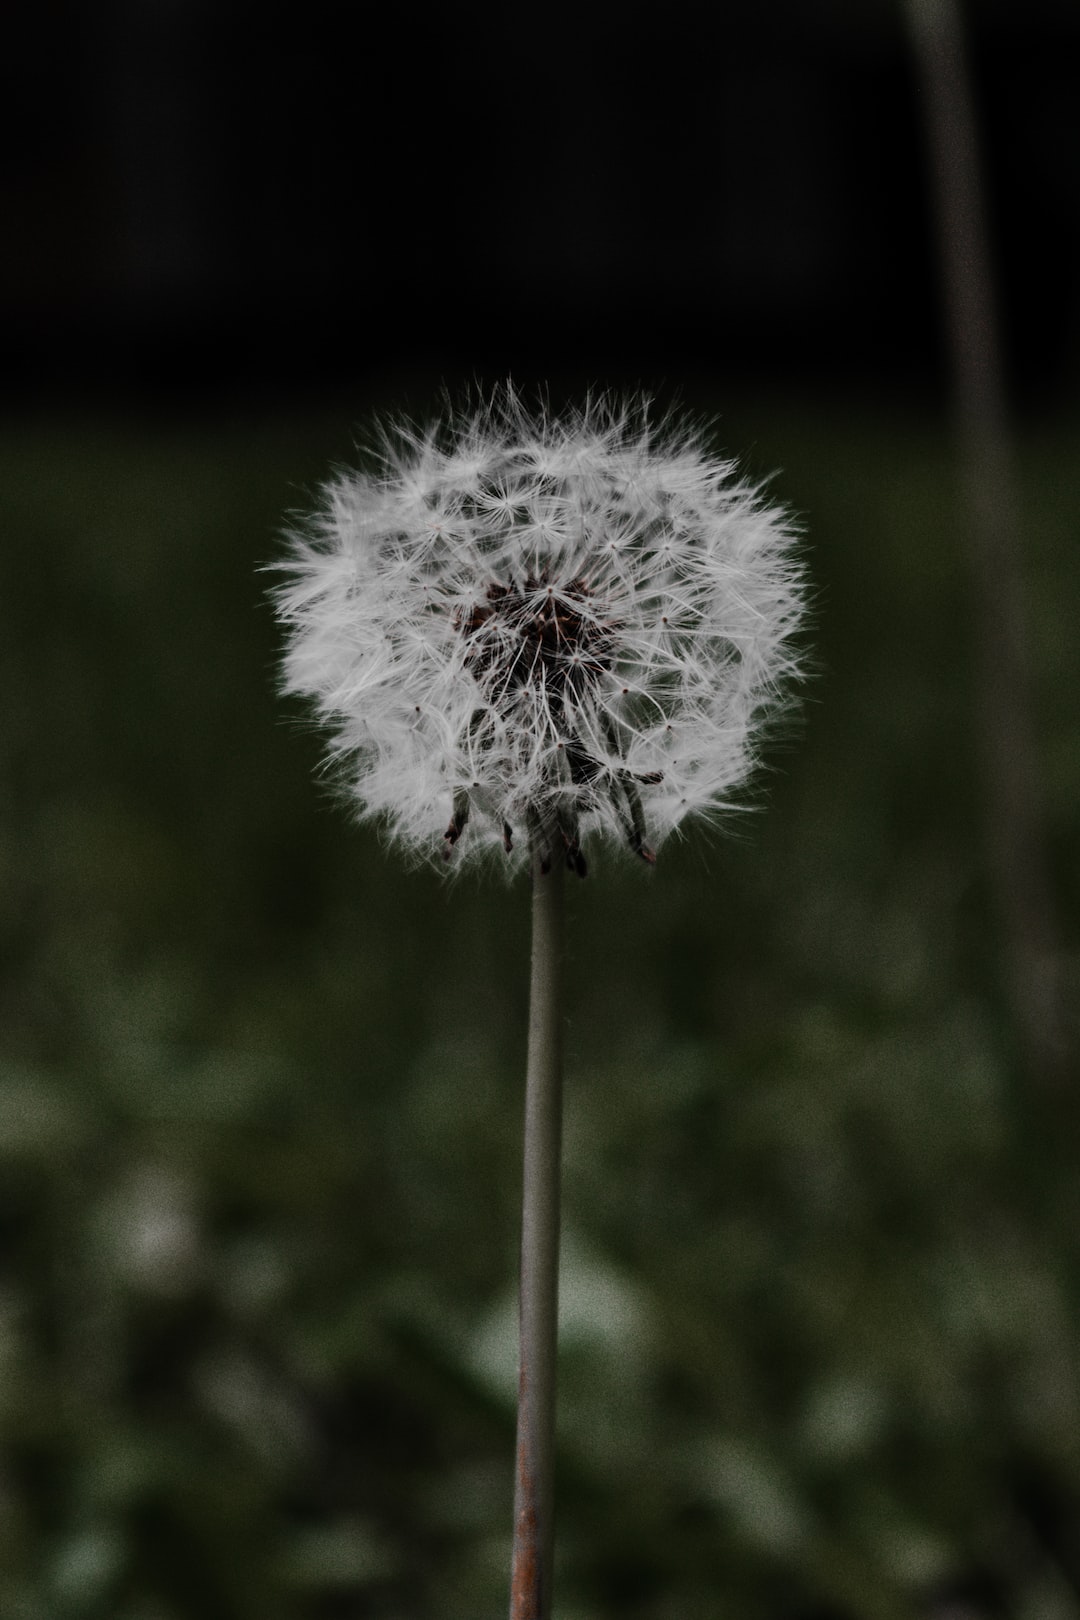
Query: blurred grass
(260, 1102)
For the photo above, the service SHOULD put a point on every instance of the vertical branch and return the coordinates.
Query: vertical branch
(1014, 833)
(530, 1597)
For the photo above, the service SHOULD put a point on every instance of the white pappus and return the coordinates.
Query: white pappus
(526, 630)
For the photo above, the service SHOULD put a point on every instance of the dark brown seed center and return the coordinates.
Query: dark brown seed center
(554, 640)
(537, 634)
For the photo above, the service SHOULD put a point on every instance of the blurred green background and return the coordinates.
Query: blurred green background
(261, 1086)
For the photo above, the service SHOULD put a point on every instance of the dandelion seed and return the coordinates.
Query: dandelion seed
(502, 622)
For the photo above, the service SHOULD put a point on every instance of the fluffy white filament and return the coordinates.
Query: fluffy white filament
(539, 629)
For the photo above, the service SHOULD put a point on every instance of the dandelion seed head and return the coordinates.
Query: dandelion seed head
(559, 626)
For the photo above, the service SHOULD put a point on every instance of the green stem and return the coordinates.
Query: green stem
(534, 1491)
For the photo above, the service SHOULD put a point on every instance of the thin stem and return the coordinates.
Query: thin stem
(534, 1490)
(1016, 842)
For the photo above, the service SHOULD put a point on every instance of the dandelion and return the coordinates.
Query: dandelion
(529, 634)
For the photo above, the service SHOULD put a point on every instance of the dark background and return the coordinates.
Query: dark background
(260, 1086)
(202, 197)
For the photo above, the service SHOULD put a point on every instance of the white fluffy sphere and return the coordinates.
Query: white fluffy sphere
(530, 630)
